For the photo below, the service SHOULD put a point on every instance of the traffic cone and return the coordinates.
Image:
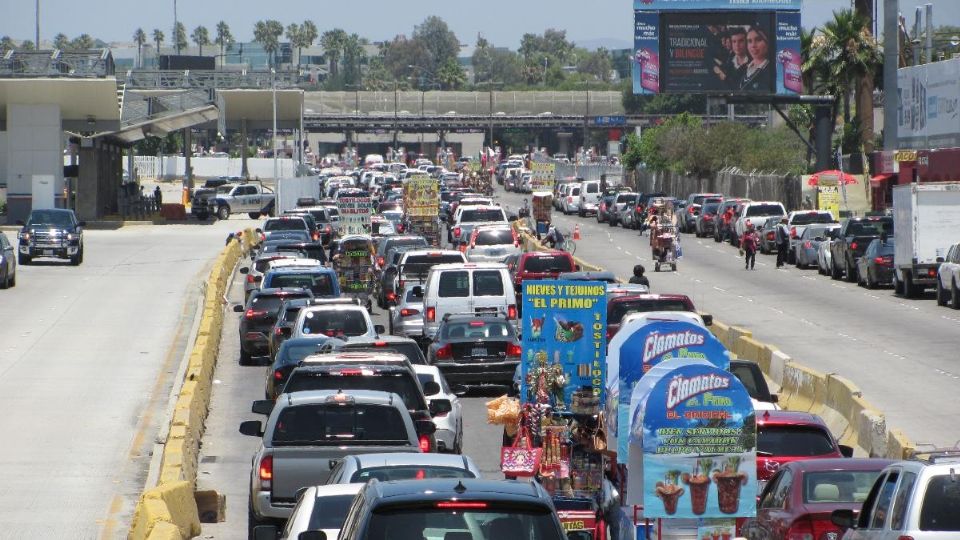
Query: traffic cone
(576, 232)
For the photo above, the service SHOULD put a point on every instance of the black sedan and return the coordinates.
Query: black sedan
(473, 350)
(291, 353)
(875, 267)
(259, 316)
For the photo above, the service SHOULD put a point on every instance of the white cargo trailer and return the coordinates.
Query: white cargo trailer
(926, 221)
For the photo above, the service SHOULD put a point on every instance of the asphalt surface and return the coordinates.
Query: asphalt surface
(903, 354)
(87, 357)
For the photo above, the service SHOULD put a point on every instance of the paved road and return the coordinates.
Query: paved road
(86, 362)
(901, 353)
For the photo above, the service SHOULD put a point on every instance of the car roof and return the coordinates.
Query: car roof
(648, 296)
(317, 340)
(331, 490)
(840, 464)
(307, 397)
(468, 266)
(381, 459)
(604, 275)
(357, 357)
(318, 268)
(278, 291)
(442, 489)
(787, 418)
(366, 341)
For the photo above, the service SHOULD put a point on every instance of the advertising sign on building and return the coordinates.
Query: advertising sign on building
(928, 113)
(354, 215)
(565, 328)
(694, 428)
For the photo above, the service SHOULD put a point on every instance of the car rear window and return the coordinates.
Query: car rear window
(940, 503)
(403, 242)
(454, 284)
(749, 381)
(323, 424)
(870, 228)
(420, 264)
(292, 354)
(408, 472)
(493, 521)
(318, 284)
(263, 263)
(627, 199)
(619, 309)
(487, 283)
(793, 441)
(288, 235)
(837, 486)
(547, 263)
(710, 208)
(335, 323)
(329, 512)
(494, 238)
(815, 232)
(410, 350)
(319, 216)
(478, 329)
(285, 225)
(478, 215)
(593, 188)
(764, 210)
(399, 382)
(271, 302)
(575, 191)
(813, 217)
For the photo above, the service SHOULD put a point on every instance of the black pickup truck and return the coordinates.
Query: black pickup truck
(852, 240)
(52, 232)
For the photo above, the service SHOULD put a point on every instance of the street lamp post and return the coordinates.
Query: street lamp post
(273, 85)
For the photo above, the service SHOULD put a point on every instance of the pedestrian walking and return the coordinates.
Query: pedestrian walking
(749, 248)
(158, 197)
(726, 220)
(638, 278)
(783, 242)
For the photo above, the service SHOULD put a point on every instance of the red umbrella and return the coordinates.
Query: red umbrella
(840, 176)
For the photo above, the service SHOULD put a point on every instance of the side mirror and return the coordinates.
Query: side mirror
(846, 451)
(707, 319)
(244, 270)
(251, 428)
(312, 535)
(424, 427)
(417, 291)
(843, 518)
(379, 328)
(940, 259)
(431, 388)
(286, 331)
(262, 406)
(238, 308)
(440, 406)
(774, 398)
(576, 268)
(266, 532)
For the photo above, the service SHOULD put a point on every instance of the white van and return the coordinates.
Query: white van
(466, 288)
(589, 198)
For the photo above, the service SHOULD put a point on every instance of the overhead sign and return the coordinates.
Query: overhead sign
(641, 345)
(695, 427)
(565, 328)
(737, 5)
(613, 121)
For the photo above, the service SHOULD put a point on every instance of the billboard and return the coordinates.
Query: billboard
(717, 47)
(928, 108)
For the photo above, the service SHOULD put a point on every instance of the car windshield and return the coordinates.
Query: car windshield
(408, 472)
(398, 382)
(837, 486)
(870, 228)
(494, 238)
(334, 323)
(482, 214)
(289, 235)
(813, 217)
(492, 522)
(478, 329)
(764, 210)
(337, 424)
(329, 511)
(49, 217)
(618, 310)
(319, 284)
(548, 263)
(794, 441)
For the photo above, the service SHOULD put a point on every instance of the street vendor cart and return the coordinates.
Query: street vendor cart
(663, 234)
(353, 259)
(542, 208)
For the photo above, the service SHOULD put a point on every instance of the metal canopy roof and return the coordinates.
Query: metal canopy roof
(256, 107)
(86, 104)
(165, 124)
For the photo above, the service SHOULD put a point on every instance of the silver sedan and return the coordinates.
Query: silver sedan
(406, 318)
(808, 245)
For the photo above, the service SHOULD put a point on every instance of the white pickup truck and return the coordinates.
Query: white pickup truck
(252, 199)
(756, 213)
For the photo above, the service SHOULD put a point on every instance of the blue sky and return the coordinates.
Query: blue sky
(501, 21)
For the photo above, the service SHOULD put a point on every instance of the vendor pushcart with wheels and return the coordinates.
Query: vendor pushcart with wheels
(542, 211)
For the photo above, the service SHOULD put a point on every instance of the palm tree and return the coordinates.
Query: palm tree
(180, 36)
(293, 36)
(6, 44)
(61, 41)
(139, 37)
(333, 42)
(267, 34)
(201, 37)
(224, 38)
(82, 42)
(354, 55)
(157, 40)
(308, 34)
(27, 45)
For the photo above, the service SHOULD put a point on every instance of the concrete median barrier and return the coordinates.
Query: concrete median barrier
(169, 510)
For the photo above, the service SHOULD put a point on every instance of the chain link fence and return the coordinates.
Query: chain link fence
(732, 182)
(432, 103)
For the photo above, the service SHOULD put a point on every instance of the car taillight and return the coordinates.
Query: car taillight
(904, 537)
(265, 472)
(806, 528)
(457, 231)
(511, 312)
(406, 312)
(251, 313)
(932, 272)
(793, 232)
(277, 375)
(770, 236)
(424, 443)
(278, 331)
(431, 314)
(461, 505)
(514, 350)
(444, 353)
(250, 279)
(690, 210)
(316, 236)
(391, 297)
(610, 333)
(569, 199)
(807, 245)
(853, 245)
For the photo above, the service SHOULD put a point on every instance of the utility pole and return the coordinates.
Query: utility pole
(37, 35)
(273, 84)
(891, 56)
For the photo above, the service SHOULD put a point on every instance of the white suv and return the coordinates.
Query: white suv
(466, 288)
(948, 278)
(910, 499)
(589, 198)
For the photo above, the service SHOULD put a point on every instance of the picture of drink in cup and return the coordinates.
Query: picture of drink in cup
(670, 492)
(568, 331)
(699, 482)
(729, 480)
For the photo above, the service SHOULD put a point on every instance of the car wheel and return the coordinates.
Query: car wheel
(23, 259)
(612, 222)
(5, 282)
(254, 215)
(835, 272)
(792, 257)
(851, 273)
(13, 278)
(202, 217)
(581, 213)
(81, 254)
(954, 295)
(75, 260)
(223, 212)
(245, 357)
(941, 294)
(897, 285)
(868, 279)
(909, 289)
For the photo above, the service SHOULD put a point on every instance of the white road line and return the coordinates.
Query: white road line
(719, 289)
(628, 253)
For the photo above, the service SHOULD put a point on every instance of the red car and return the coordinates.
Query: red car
(621, 305)
(541, 265)
(787, 436)
(799, 498)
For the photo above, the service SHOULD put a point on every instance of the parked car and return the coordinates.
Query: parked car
(875, 267)
(852, 240)
(446, 408)
(51, 232)
(318, 509)
(8, 263)
(475, 350)
(466, 288)
(391, 467)
(259, 315)
(606, 206)
(915, 499)
(755, 213)
(799, 220)
(623, 201)
(589, 198)
(799, 499)
(785, 436)
(824, 253)
(571, 200)
(719, 231)
(706, 219)
(453, 509)
(808, 245)
(640, 208)
(305, 431)
(948, 278)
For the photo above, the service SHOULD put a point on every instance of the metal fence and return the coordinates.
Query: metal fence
(592, 171)
(732, 182)
(463, 103)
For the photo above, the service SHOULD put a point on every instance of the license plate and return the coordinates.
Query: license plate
(486, 310)
(479, 351)
(48, 252)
